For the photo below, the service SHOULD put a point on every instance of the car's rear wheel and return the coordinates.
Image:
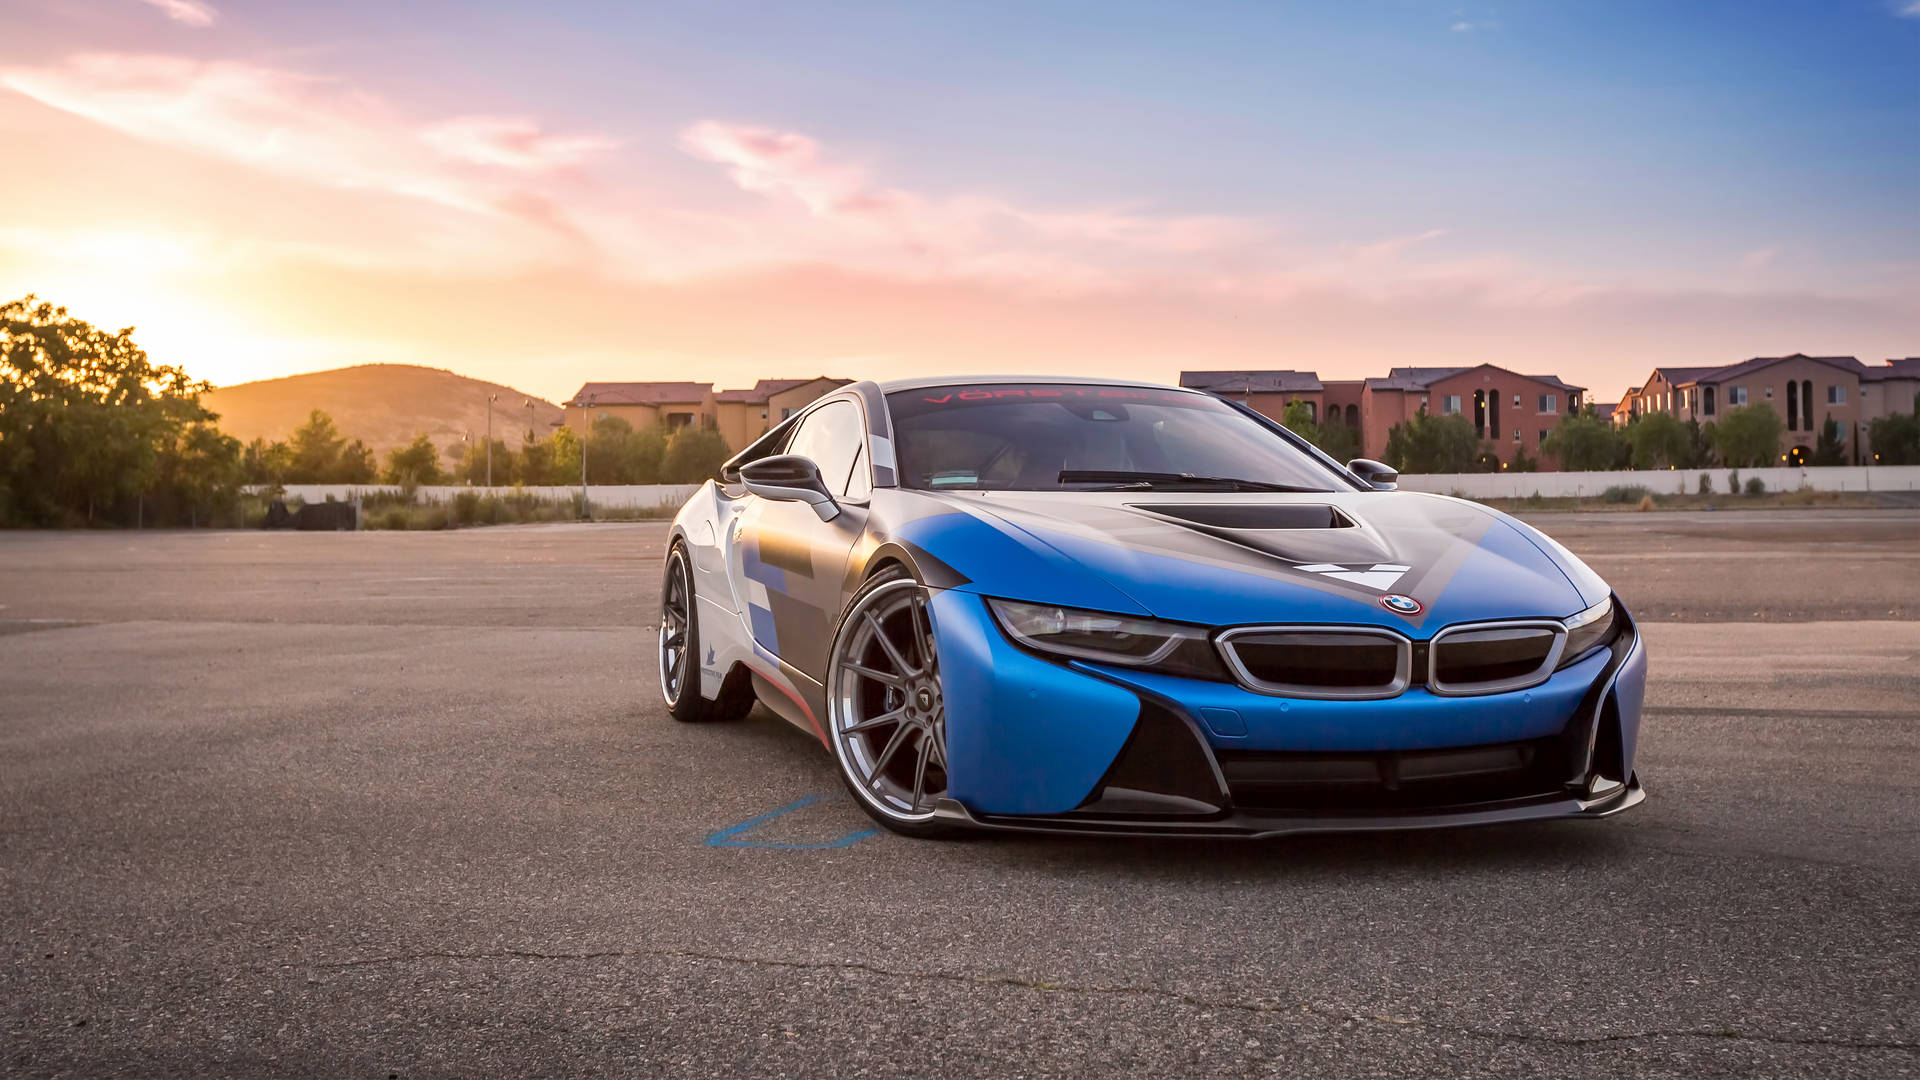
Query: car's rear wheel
(889, 726)
(679, 651)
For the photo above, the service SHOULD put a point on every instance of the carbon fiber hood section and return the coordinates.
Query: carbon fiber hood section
(1233, 559)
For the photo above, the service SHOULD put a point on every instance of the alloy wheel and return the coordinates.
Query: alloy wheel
(889, 720)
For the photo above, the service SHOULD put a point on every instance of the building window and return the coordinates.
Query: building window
(1516, 434)
(1548, 403)
(1707, 405)
(678, 420)
(1836, 395)
(1450, 404)
(1769, 393)
(1543, 436)
(1736, 395)
(784, 413)
(1516, 401)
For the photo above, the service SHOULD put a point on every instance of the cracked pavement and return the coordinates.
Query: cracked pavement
(404, 805)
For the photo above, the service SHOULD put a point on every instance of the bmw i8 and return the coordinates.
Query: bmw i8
(1104, 607)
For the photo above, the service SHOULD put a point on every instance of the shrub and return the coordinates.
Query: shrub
(1733, 481)
(395, 517)
(1621, 494)
(1755, 486)
(1706, 484)
(465, 508)
(1646, 502)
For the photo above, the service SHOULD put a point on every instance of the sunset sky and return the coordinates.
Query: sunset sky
(545, 194)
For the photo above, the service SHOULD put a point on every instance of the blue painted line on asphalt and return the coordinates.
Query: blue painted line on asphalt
(727, 837)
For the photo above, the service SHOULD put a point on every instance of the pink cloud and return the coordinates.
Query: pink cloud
(312, 128)
(513, 143)
(189, 12)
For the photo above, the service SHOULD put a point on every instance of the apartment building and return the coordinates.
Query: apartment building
(1511, 412)
(740, 416)
(1805, 390)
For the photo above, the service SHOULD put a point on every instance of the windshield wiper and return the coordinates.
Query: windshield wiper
(1126, 478)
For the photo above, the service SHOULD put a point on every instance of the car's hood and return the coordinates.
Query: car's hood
(1231, 559)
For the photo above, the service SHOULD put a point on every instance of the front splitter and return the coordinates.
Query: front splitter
(1252, 826)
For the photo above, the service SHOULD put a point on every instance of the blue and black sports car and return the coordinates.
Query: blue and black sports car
(1100, 607)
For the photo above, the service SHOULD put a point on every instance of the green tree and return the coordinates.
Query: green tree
(1583, 443)
(1829, 448)
(415, 463)
(315, 448)
(199, 475)
(1895, 439)
(563, 456)
(1432, 444)
(693, 454)
(617, 454)
(1749, 436)
(356, 464)
(1522, 463)
(85, 417)
(1336, 441)
(1660, 440)
(266, 463)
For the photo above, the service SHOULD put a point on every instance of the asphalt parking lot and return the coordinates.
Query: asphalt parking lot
(405, 804)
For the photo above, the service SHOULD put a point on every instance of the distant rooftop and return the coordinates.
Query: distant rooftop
(766, 388)
(1251, 382)
(1741, 370)
(1420, 378)
(642, 393)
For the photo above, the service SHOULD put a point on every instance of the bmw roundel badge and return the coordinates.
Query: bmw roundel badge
(1401, 605)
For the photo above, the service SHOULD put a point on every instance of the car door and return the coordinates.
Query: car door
(789, 567)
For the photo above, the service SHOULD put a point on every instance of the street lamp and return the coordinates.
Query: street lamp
(491, 398)
(586, 508)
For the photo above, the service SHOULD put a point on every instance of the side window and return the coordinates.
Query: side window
(832, 437)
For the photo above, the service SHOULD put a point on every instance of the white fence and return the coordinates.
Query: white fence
(610, 495)
(1501, 485)
(1513, 485)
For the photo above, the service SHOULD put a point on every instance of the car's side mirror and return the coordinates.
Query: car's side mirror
(790, 478)
(1375, 475)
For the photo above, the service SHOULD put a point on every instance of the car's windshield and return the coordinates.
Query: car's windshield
(1037, 437)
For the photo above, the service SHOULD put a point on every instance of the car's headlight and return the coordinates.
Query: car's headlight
(1109, 638)
(1592, 627)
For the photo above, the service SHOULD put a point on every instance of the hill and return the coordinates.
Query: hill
(384, 404)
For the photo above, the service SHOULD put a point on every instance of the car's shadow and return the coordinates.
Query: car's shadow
(1590, 844)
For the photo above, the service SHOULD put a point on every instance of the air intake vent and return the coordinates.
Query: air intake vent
(1407, 781)
(1254, 515)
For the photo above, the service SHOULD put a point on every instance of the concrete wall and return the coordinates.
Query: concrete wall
(642, 495)
(1511, 485)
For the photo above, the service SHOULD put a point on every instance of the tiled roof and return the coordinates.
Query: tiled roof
(1737, 371)
(642, 393)
(1421, 378)
(1681, 376)
(1907, 368)
(764, 389)
(1604, 412)
(1250, 382)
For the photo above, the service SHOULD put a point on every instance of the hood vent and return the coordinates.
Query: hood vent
(1296, 532)
(1238, 516)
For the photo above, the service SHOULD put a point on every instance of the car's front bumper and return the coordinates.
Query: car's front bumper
(1082, 748)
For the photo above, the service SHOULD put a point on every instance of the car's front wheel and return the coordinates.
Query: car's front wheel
(889, 722)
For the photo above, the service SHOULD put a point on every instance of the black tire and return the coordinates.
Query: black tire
(926, 727)
(681, 689)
